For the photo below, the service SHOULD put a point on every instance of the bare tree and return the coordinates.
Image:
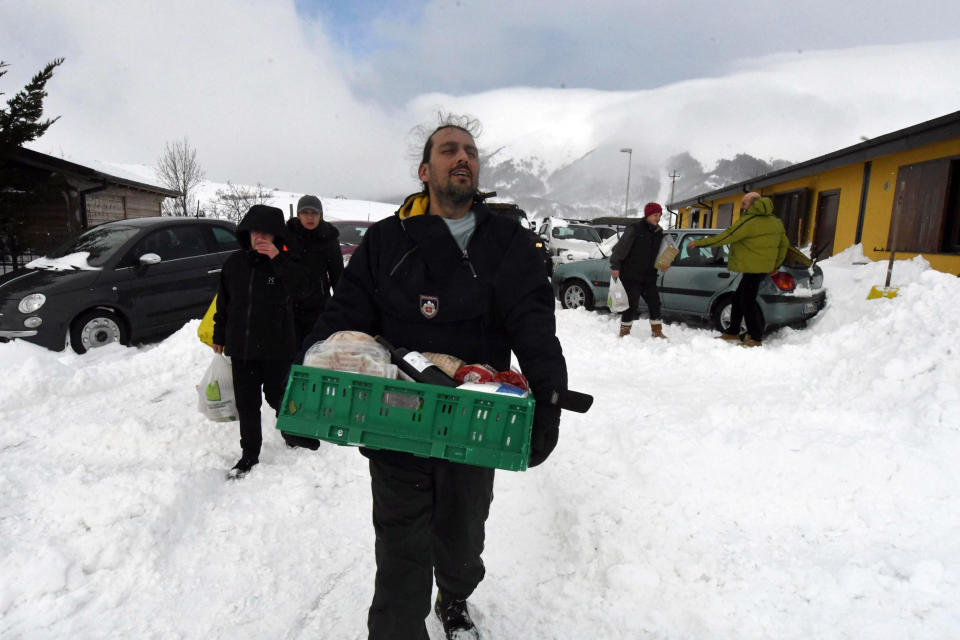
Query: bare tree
(179, 170)
(234, 201)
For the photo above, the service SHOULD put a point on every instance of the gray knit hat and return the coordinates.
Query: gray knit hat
(309, 202)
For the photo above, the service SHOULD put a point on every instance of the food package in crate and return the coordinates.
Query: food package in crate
(352, 352)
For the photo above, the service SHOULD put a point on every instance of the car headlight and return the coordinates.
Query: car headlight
(32, 302)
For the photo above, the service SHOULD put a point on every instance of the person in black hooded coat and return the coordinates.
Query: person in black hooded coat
(254, 323)
(316, 243)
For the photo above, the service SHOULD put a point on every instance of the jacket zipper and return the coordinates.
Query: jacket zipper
(402, 258)
(246, 336)
(466, 258)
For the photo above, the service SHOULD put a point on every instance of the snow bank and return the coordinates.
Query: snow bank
(808, 489)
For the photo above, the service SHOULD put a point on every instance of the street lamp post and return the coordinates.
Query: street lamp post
(629, 152)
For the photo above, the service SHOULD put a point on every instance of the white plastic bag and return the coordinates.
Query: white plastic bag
(617, 296)
(215, 391)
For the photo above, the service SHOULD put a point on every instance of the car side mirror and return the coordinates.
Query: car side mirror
(149, 258)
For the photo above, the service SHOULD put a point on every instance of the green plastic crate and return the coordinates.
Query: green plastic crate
(471, 427)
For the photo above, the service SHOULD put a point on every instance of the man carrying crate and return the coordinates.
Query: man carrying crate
(444, 275)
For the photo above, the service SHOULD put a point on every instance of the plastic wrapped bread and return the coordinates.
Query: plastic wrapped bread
(352, 352)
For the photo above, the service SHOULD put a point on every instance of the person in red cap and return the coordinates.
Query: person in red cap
(632, 261)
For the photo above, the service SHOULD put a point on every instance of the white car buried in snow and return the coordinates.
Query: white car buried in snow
(570, 241)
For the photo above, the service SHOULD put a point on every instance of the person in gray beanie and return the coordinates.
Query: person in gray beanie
(315, 243)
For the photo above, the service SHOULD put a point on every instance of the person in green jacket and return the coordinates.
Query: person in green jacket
(758, 246)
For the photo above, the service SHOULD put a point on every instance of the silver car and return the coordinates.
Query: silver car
(699, 286)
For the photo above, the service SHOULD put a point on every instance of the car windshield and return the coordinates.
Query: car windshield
(576, 232)
(350, 233)
(99, 243)
(605, 232)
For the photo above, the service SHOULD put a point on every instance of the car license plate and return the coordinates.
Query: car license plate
(810, 308)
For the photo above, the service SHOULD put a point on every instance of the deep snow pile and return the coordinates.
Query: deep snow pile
(808, 489)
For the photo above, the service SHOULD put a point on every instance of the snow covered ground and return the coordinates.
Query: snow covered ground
(808, 489)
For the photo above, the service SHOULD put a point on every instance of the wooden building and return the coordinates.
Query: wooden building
(899, 191)
(48, 200)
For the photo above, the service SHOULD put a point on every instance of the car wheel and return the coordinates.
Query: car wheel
(721, 316)
(576, 294)
(97, 328)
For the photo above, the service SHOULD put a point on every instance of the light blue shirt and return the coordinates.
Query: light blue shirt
(462, 228)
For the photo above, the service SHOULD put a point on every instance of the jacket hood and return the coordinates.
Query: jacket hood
(417, 204)
(761, 207)
(265, 219)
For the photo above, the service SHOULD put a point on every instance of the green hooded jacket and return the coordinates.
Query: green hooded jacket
(758, 243)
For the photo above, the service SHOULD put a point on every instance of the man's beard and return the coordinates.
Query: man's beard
(457, 195)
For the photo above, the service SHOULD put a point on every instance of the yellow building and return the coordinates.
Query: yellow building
(900, 192)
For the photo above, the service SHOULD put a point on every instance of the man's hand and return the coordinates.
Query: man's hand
(217, 348)
(546, 431)
(615, 273)
(692, 244)
(266, 247)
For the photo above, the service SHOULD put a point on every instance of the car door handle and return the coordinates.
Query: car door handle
(214, 270)
(723, 274)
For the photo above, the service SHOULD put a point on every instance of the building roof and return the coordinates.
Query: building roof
(936, 130)
(88, 175)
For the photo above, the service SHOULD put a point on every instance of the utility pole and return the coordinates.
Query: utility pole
(673, 183)
(629, 152)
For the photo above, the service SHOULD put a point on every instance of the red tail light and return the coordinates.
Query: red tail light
(784, 281)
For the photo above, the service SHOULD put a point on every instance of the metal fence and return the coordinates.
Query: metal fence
(9, 262)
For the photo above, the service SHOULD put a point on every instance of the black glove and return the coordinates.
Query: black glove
(546, 431)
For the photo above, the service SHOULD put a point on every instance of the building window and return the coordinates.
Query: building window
(791, 207)
(951, 232)
(724, 215)
(926, 206)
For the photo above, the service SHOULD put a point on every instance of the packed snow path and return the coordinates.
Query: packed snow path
(808, 489)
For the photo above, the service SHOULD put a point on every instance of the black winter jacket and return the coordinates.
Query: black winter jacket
(318, 251)
(410, 282)
(254, 315)
(634, 254)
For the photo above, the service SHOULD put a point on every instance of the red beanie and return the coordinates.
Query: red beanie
(651, 208)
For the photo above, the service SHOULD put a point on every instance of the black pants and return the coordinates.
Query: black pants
(428, 516)
(636, 289)
(303, 321)
(745, 306)
(249, 376)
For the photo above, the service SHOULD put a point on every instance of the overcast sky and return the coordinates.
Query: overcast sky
(321, 96)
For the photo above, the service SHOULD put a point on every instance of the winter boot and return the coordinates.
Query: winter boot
(729, 337)
(656, 329)
(455, 618)
(625, 328)
(295, 442)
(242, 468)
(750, 342)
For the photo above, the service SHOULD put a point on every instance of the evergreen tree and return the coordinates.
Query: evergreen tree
(20, 186)
(20, 121)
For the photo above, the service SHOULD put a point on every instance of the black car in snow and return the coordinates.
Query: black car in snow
(121, 281)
